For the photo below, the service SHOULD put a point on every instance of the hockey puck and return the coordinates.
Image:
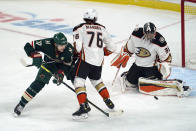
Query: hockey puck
(156, 97)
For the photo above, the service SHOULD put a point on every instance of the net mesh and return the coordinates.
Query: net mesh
(190, 33)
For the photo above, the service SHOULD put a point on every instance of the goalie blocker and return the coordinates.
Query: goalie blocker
(163, 87)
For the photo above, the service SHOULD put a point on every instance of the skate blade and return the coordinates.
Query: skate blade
(81, 117)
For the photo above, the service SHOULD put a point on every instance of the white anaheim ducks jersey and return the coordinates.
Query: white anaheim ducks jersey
(148, 52)
(89, 40)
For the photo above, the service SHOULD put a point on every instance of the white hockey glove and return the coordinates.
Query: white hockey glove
(165, 69)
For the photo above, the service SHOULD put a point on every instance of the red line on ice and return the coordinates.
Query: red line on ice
(29, 34)
(20, 32)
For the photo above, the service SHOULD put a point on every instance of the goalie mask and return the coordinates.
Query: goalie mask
(149, 30)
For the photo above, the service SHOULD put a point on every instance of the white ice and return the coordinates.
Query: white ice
(51, 109)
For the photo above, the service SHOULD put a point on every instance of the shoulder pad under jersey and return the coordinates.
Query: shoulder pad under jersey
(44, 41)
(159, 40)
(138, 32)
(78, 26)
(99, 25)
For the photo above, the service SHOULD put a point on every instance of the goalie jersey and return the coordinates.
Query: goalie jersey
(148, 52)
(89, 40)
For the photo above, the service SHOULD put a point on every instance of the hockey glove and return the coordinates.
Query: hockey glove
(58, 77)
(107, 52)
(120, 59)
(165, 69)
(37, 59)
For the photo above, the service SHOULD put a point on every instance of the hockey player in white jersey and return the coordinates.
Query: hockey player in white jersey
(151, 68)
(89, 40)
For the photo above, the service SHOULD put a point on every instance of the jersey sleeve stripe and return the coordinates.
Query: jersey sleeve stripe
(83, 54)
(169, 58)
(126, 50)
(78, 67)
(32, 44)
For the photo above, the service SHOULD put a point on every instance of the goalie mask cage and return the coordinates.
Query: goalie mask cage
(188, 39)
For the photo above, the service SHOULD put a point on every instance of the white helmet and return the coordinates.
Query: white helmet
(90, 14)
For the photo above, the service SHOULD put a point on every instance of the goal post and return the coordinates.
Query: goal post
(185, 9)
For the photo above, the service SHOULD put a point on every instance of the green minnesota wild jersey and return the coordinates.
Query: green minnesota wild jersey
(63, 60)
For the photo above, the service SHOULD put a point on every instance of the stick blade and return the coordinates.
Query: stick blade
(116, 113)
(23, 62)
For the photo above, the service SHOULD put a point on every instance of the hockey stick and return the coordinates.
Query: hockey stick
(108, 114)
(24, 63)
(53, 60)
(116, 76)
(118, 68)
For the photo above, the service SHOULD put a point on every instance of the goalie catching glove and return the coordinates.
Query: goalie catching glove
(58, 77)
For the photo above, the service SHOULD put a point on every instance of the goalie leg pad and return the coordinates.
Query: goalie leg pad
(160, 87)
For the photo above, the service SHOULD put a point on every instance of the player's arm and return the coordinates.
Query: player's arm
(34, 46)
(77, 39)
(162, 49)
(110, 47)
(65, 68)
(165, 58)
(164, 54)
(123, 57)
(32, 50)
(129, 47)
(69, 51)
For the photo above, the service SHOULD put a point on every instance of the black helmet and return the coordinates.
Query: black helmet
(149, 28)
(60, 39)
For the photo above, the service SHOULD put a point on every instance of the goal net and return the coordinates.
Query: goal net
(188, 33)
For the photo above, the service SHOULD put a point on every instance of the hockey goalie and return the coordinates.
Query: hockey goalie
(151, 68)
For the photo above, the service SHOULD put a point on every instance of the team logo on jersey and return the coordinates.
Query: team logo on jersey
(39, 43)
(142, 52)
(162, 40)
(62, 58)
(42, 76)
(70, 49)
(47, 42)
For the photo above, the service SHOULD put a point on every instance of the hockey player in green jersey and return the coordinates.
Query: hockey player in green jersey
(58, 58)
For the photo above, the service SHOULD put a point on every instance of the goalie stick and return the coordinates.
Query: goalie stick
(116, 76)
(119, 66)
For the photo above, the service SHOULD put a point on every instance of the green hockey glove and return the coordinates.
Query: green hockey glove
(58, 77)
(37, 59)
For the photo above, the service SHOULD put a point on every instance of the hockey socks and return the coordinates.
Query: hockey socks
(31, 92)
(102, 90)
(81, 94)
